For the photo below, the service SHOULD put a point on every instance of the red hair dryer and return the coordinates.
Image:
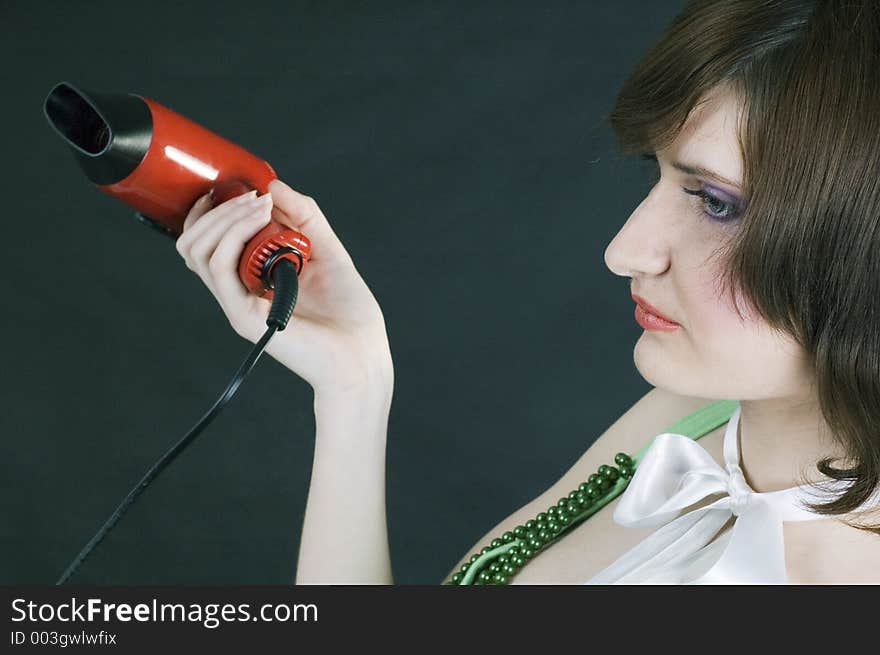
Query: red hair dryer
(159, 162)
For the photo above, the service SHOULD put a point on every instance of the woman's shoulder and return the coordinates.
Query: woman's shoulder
(632, 433)
(649, 416)
(595, 544)
(652, 414)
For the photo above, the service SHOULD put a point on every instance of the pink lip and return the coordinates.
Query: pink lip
(650, 318)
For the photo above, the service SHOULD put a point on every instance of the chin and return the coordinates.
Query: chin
(653, 365)
(649, 366)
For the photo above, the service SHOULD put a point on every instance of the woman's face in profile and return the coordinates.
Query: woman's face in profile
(666, 246)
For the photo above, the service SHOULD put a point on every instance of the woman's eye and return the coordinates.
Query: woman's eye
(710, 205)
(714, 207)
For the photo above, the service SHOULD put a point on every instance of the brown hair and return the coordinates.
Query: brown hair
(806, 253)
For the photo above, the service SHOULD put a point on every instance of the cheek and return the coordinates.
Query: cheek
(708, 309)
(714, 330)
(712, 308)
(753, 360)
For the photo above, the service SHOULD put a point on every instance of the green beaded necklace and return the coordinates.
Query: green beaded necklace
(501, 559)
(496, 563)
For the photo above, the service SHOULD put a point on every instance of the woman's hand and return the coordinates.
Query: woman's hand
(336, 339)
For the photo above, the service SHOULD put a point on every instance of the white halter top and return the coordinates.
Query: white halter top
(676, 472)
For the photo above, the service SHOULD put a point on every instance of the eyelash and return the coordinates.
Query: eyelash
(729, 212)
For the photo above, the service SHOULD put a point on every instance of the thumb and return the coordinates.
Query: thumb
(302, 213)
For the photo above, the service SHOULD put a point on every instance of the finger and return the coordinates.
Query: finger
(201, 207)
(205, 244)
(223, 263)
(196, 229)
(303, 214)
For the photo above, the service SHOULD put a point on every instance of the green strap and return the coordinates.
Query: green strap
(698, 423)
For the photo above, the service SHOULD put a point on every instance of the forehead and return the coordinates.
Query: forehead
(709, 137)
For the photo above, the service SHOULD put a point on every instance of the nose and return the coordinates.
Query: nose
(641, 247)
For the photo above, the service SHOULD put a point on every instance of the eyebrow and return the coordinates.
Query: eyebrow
(690, 169)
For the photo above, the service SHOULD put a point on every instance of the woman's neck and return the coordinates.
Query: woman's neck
(780, 438)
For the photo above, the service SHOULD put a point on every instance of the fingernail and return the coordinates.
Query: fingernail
(262, 199)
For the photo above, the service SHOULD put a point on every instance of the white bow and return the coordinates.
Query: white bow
(676, 472)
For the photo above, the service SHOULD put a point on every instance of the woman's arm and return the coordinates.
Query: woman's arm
(337, 342)
(344, 536)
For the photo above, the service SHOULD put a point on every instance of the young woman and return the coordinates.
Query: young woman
(759, 242)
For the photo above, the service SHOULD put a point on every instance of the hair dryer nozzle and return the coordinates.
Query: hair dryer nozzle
(109, 134)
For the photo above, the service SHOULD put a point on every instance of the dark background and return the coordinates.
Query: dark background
(461, 152)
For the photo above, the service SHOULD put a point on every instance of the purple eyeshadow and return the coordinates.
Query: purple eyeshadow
(723, 196)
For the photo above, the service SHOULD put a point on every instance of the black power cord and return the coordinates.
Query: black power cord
(286, 286)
